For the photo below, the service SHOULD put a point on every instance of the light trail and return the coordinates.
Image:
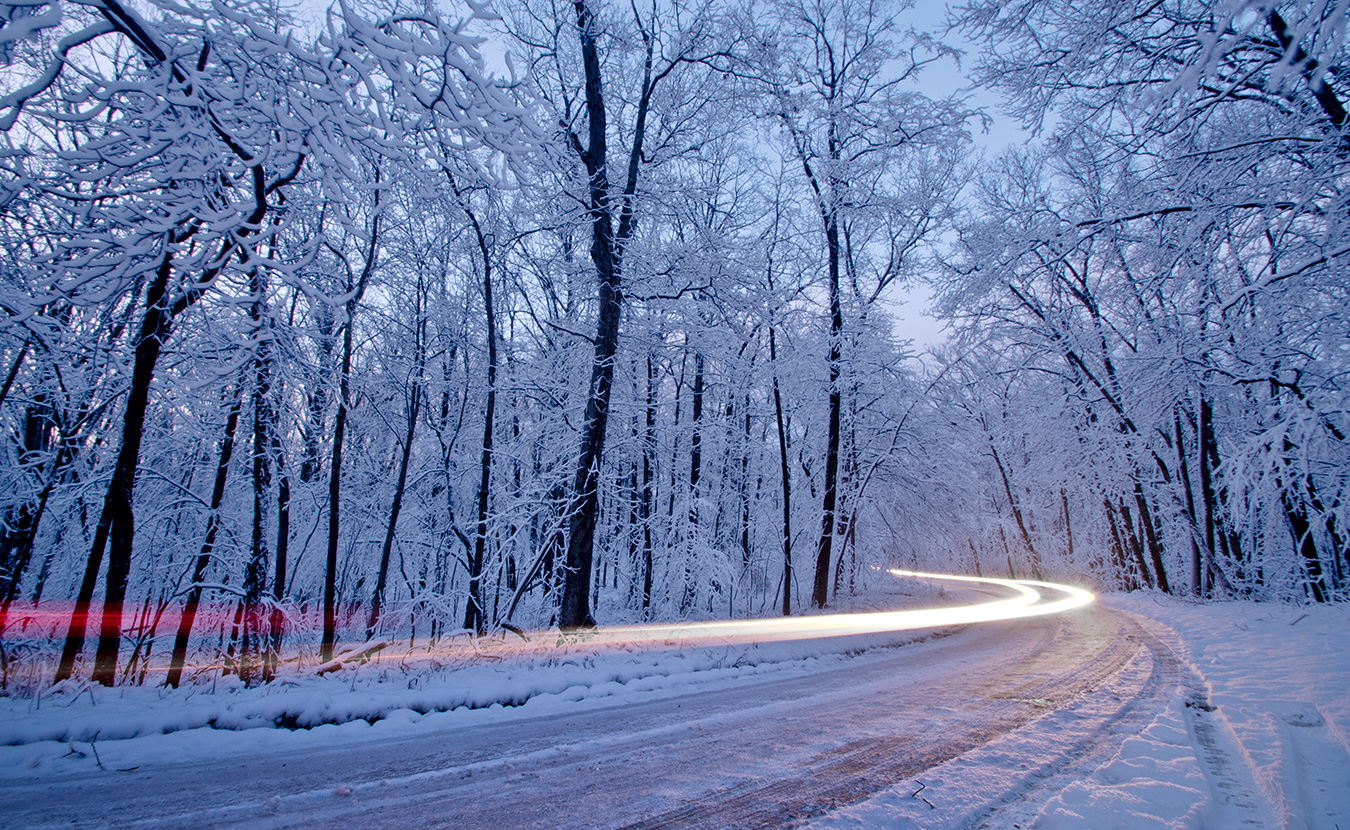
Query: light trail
(1027, 601)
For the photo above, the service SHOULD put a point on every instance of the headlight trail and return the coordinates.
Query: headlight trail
(1027, 601)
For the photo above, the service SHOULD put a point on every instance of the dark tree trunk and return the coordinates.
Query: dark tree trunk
(1207, 493)
(329, 637)
(785, 477)
(1336, 544)
(1228, 543)
(696, 442)
(1150, 534)
(255, 635)
(1068, 529)
(607, 255)
(1128, 582)
(13, 372)
(1301, 529)
(116, 526)
(1197, 574)
(826, 194)
(194, 594)
(316, 399)
(1035, 560)
(1134, 541)
(517, 477)
(19, 532)
(633, 499)
(386, 551)
(674, 465)
(74, 641)
(689, 578)
(474, 617)
(583, 512)
(1301, 526)
(821, 586)
(645, 504)
(745, 489)
(120, 523)
(278, 621)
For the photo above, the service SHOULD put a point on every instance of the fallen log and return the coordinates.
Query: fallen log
(360, 656)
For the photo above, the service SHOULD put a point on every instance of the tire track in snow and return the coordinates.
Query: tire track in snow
(1231, 784)
(1010, 782)
(1231, 779)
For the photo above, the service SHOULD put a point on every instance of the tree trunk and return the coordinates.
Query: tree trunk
(1127, 581)
(19, 532)
(1134, 541)
(329, 637)
(1183, 471)
(745, 493)
(607, 255)
(1068, 529)
(255, 572)
(1151, 539)
(696, 443)
(316, 398)
(155, 328)
(820, 589)
(386, 551)
(180, 642)
(1301, 528)
(474, 617)
(1035, 560)
(256, 636)
(116, 526)
(278, 621)
(785, 476)
(645, 505)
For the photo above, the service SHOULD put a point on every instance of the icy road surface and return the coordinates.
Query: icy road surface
(1047, 700)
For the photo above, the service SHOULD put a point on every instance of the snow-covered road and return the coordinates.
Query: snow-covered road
(974, 725)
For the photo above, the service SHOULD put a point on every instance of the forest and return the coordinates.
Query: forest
(410, 320)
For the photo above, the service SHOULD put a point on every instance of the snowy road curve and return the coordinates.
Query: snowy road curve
(1049, 697)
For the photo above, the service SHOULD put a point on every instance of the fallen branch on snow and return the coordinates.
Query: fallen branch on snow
(353, 657)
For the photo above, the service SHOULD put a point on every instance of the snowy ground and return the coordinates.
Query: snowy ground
(1257, 733)
(1278, 679)
(1140, 713)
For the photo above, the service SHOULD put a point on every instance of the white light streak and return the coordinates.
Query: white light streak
(1027, 601)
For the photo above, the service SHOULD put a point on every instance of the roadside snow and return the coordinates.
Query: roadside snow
(1278, 678)
(1257, 736)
